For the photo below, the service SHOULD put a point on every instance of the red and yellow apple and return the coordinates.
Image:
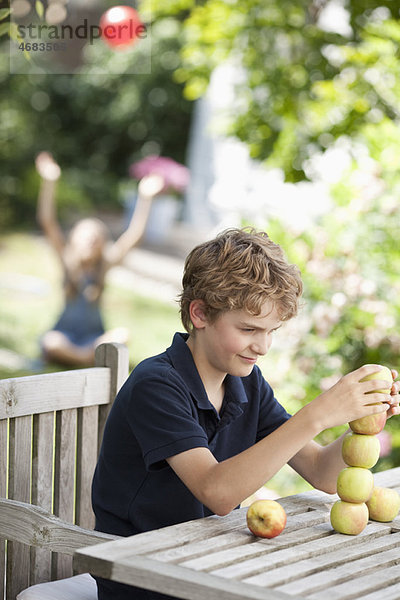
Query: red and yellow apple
(370, 425)
(383, 505)
(266, 518)
(360, 450)
(349, 517)
(355, 484)
(373, 424)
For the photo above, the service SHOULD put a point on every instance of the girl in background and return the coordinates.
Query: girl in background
(86, 255)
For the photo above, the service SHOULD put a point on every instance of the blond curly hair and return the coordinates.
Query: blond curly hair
(239, 269)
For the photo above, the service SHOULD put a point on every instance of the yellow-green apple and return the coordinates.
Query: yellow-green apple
(349, 517)
(355, 484)
(383, 505)
(384, 374)
(373, 424)
(266, 518)
(360, 450)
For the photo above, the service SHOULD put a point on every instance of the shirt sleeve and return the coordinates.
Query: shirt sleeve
(272, 414)
(163, 419)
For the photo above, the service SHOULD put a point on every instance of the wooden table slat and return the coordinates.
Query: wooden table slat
(169, 537)
(255, 567)
(330, 560)
(184, 583)
(214, 545)
(389, 478)
(299, 522)
(358, 587)
(387, 593)
(350, 571)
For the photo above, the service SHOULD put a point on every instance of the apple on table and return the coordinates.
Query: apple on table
(384, 504)
(266, 518)
(349, 517)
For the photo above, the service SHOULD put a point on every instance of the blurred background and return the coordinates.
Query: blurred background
(287, 115)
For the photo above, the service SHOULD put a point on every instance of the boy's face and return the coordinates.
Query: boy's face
(234, 341)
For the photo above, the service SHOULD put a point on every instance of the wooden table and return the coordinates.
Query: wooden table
(218, 558)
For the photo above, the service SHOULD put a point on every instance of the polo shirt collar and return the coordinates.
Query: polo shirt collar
(182, 360)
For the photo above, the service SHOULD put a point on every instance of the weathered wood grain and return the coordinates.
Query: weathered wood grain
(116, 358)
(384, 593)
(254, 569)
(42, 486)
(347, 572)
(19, 477)
(49, 432)
(359, 586)
(54, 391)
(64, 483)
(210, 560)
(328, 559)
(86, 458)
(390, 478)
(34, 526)
(176, 581)
(3, 489)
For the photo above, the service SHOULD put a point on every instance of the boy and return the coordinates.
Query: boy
(196, 429)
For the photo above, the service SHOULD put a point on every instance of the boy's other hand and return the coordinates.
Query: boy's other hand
(351, 399)
(394, 394)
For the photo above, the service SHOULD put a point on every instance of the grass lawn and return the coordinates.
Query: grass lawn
(31, 299)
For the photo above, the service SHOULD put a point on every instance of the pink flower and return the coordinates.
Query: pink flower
(176, 176)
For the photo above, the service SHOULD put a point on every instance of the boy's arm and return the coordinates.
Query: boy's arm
(320, 465)
(223, 485)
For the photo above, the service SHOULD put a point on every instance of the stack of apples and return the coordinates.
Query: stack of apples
(359, 499)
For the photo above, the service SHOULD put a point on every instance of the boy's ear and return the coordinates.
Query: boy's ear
(197, 314)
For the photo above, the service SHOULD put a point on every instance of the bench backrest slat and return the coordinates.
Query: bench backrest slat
(42, 488)
(35, 394)
(19, 468)
(3, 492)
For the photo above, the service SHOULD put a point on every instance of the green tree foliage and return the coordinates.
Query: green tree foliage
(95, 125)
(350, 315)
(301, 86)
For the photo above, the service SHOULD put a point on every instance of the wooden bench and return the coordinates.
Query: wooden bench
(51, 427)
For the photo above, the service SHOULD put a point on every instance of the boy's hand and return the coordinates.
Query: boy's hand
(351, 399)
(394, 394)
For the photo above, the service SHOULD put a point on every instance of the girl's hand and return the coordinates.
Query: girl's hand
(47, 167)
(151, 185)
(351, 399)
(394, 394)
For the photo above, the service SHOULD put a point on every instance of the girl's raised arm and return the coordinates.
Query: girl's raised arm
(149, 187)
(49, 172)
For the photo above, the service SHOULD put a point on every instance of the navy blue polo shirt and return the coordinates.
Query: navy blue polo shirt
(163, 410)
